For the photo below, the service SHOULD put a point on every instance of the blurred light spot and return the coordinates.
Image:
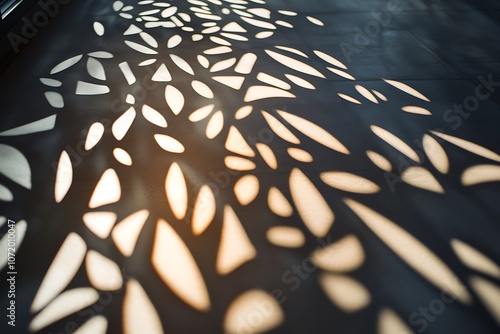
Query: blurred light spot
(177, 268)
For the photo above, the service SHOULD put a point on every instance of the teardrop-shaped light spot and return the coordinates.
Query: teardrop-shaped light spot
(219, 50)
(330, 59)
(469, 146)
(279, 129)
(86, 88)
(182, 64)
(61, 271)
(284, 24)
(243, 112)
(344, 292)
(235, 247)
(148, 62)
(269, 79)
(64, 177)
(258, 23)
(349, 182)
(239, 164)
(315, 21)
(15, 166)
(268, 155)
(312, 207)
(204, 210)
(197, 37)
(379, 95)
(292, 50)
(264, 34)
(65, 64)
(222, 65)
(436, 154)
(141, 48)
(343, 256)
(5, 195)
(95, 69)
(169, 11)
(174, 98)
(215, 125)
(122, 156)
(286, 236)
(342, 74)
(253, 312)
(480, 174)
(210, 30)
(103, 273)
(474, 259)
(177, 267)
(246, 189)
(127, 15)
(379, 161)
(300, 154)
(255, 93)
(185, 17)
(96, 131)
(126, 232)
(294, 64)
(174, 41)
(366, 94)
(390, 323)
(416, 110)
(287, 12)
(55, 99)
(202, 89)
(96, 325)
(300, 82)
(237, 144)
(150, 40)
(169, 144)
(101, 54)
(100, 223)
(278, 203)
(314, 132)
(421, 178)
(122, 124)
(107, 191)
(44, 124)
(235, 37)
(220, 41)
(235, 82)
(65, 304)
(348, 98)
(489, 293)
(407, 89)
(117, 5)
(162, 74)
(201, 113)
(262, 12)
(153, 116)
(176, 190)
(395, 142)
(139, 313)
(412, 251)
(246, 63)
